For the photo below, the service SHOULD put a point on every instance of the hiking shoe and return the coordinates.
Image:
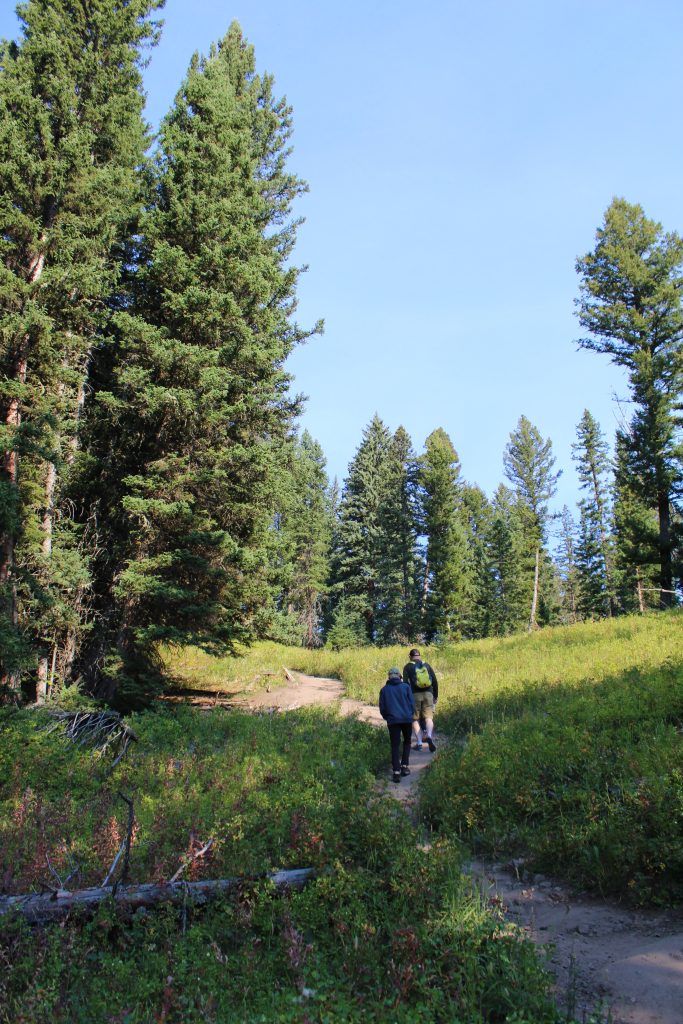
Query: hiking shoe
(431, 744)
(418, 746)
(397, 777)
(405, 770)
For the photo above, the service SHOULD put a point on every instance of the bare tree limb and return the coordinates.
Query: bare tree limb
(56, 905)
(193, 858)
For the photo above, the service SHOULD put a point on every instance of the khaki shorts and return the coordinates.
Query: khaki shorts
(424, 705)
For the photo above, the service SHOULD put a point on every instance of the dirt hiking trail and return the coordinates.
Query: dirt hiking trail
(625, 964)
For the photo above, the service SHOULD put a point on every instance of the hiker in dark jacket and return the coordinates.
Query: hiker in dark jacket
(397, 707)
(425, 696)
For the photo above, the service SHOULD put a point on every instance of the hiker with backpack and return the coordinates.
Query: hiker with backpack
(397, 707)
(423, 683)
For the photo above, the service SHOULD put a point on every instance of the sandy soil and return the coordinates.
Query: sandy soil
(627, 964)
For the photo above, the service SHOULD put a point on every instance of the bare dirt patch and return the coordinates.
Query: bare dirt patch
(625, 962)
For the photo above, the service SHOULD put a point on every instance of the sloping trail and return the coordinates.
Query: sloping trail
(628, 963)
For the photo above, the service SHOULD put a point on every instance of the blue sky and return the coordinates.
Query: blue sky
(459, 156)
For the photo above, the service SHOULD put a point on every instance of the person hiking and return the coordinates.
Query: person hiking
(397, 707)
(424, 685)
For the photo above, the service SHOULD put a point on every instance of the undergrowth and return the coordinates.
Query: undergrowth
(388, 929)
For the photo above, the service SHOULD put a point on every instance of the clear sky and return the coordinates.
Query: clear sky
(460, 156)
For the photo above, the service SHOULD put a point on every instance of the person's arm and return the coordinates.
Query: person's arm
(382, 703)
(435, 683)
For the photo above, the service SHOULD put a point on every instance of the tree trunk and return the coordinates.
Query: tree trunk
(54, 906)
(425, 591)
(46, 548)
(534, 598)
(639, 592)
(666, 568)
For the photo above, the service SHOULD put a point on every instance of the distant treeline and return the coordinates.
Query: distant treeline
(153, 486)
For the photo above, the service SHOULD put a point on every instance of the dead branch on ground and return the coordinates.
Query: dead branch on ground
(42, 908)
(101, 730)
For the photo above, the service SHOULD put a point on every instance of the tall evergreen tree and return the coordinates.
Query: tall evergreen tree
(398, 563)
(356, 585)
(636, 530)
(191, 399)
(528, 462)
(303, 525)
(508, 557)
(591, 456)
(593, 596)
(448, 573)
(478, 517)
(630, 303)
(71, 139)
(568, 568)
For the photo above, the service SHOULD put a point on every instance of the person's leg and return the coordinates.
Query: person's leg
(406, 729)
(417, 714)
(428, 712)
(395, 737)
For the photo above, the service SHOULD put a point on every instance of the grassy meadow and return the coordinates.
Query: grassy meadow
(574, 752)
(565, 749)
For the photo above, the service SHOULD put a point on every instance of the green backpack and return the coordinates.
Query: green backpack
(423, 680)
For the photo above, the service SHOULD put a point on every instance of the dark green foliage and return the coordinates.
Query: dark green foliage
(71, 139)
(528, 463)
(298, 544)
(190, 403)
(506, 544)
(636, 530)
(356, 584)
(448, 589)
(568, 561)
(398, 563)
(595, 550)
(630, 303)
(479, 614)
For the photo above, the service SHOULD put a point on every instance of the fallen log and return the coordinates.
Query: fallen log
(42, 908)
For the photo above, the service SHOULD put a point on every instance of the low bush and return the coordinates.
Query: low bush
(389, 928)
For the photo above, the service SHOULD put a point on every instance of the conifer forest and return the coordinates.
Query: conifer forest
(156, 488)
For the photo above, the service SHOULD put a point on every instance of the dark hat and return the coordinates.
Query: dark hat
(414, 653)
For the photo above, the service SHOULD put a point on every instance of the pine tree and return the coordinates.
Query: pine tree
(448, 578)
(478, 517)
(568, 567)
(591, 456)
(71, 139)
(356, 585)
(528, 462)
(190, 402)
(398, 563)
(636, 529)
(630, 303)
(507, 546)
(593, 598)
(303, 524)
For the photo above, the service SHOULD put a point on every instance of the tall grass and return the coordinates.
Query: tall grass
(470, 672)
(574, 752)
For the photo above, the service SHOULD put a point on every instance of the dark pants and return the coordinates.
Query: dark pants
(395, 732)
